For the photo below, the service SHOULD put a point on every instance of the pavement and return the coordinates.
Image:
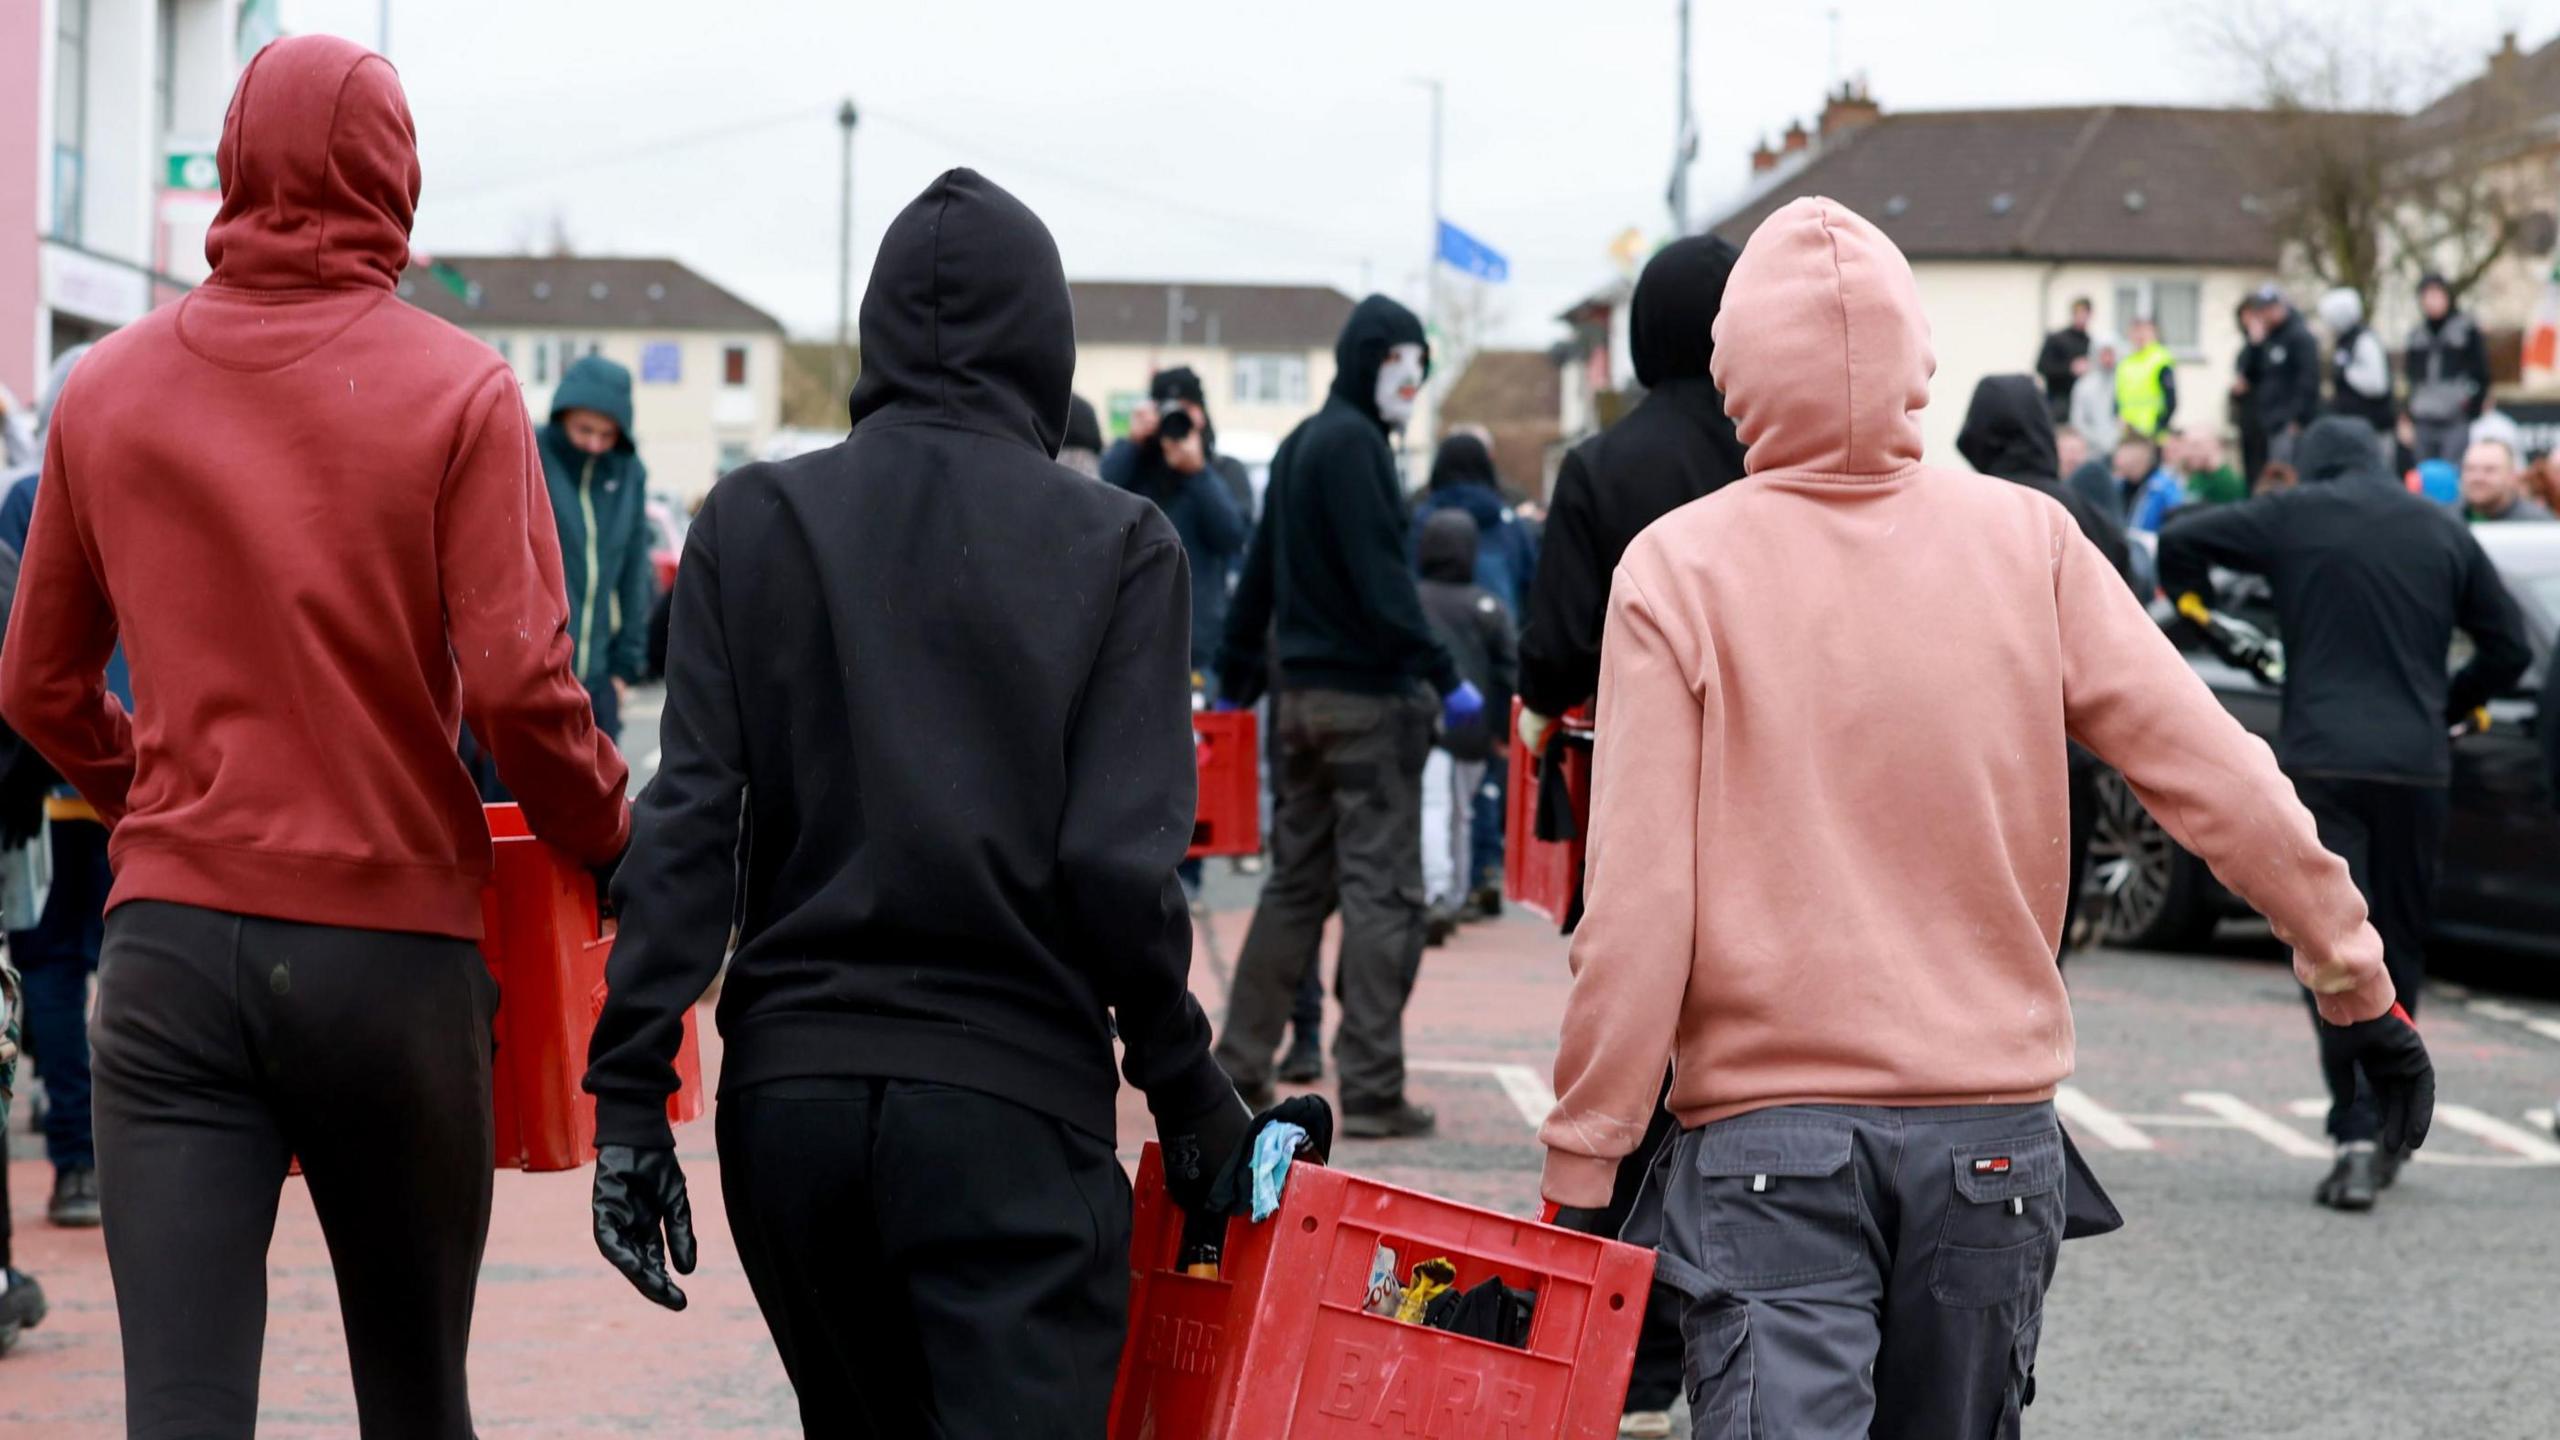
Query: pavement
(2229, 1307)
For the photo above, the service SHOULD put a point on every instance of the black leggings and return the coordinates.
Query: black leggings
(2392, 838)
(224, 1047)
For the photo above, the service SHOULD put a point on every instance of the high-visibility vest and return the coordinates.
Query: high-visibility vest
(2138, 398)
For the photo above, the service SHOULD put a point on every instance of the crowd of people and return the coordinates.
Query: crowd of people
(927, 783)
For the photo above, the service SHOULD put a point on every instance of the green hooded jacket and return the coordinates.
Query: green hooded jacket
(601, 503)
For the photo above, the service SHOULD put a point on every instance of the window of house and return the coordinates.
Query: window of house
(541, 361)
(733, 365)
(506, 348)
(70, 115)
(1271, 379)
(2178, 306)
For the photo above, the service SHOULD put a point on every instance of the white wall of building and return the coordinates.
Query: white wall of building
(691, 428)
(1113, 377)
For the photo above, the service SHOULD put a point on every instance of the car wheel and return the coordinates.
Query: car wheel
(2144, 892)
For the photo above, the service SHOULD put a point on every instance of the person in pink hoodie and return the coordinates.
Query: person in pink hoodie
(1827, 869)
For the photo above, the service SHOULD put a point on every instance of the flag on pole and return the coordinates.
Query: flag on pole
(446, 275)
(1468, 255)
(2542, 340)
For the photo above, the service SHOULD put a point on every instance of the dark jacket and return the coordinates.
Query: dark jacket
(1204, 517)
(2447, 365)
(2370, 584)
(2062, 349)
(1473, 624)
(1463, 479)
(1674, 447)
(1327, 577)
(945, 677)
(2287, 385)
(2008, 434)
(347, 556)
(601, 503)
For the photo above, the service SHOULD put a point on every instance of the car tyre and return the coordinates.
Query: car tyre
(2144, 891)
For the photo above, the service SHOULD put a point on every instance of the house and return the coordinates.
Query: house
(1264, 352)
(109, 113)
(2007, 216)
(706, 366)
(1516, 396)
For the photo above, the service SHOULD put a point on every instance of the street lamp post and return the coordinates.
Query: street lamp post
(846, 117)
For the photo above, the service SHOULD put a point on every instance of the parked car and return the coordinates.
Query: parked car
(2500, 885)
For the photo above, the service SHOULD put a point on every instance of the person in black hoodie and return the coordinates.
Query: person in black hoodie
(1327, 578)
(2447, 362)
(1178, 472)
(1676, 446)
(1473, 622)
(2008, 434)
(2287, 383)
(928, 743)
(2371, 582)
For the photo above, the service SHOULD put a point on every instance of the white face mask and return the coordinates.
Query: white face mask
(1399, 383)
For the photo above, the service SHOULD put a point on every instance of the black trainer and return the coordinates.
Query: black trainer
(2355, 1182)
(1400, 1121)
(1303, 1064)
(22, 1308)
(75, 1198)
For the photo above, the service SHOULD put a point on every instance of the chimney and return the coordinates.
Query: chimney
(2502, 65)
(1796, 139)
(1763, 159)
(1848, 110)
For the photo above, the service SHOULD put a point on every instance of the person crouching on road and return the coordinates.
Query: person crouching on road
(600, 499)
(313, 517)
(1826, 876)
(934, 688)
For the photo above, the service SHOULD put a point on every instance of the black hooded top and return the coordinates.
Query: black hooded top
(1473, 624)
(1326, 577)
(2008, 433)
(947, 680)
(1675, 447)
(2370, 584)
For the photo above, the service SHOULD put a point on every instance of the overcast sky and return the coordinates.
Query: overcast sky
(1188, 141)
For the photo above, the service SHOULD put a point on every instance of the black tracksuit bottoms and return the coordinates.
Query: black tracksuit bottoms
(225, 1046)
(931, 1260)
(2391, 834)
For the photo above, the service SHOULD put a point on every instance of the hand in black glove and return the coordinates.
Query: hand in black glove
(639, 1193)
(1585, 1221)
(1196, 1149)
(2393, 1061)
(604, 874)
(1232, 1192)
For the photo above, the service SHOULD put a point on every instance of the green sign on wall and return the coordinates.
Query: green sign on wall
(193, 170)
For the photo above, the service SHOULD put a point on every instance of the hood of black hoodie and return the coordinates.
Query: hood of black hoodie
(1671, 322)
(1376, 326)
(966, 321)
(1447, 550)
(2008, 432)
(2341, 447)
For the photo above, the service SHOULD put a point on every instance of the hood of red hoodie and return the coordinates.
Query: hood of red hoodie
(1821, 349)
(319, 163)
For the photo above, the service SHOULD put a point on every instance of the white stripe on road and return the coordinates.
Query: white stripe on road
(2513, 1138)
(2500, 1010)
(2244, 1116)
(2101, 1123)
(2435, 1154)
(1526, 1088)
(2538, 1119)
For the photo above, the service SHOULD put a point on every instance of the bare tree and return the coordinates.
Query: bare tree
(2386, 152)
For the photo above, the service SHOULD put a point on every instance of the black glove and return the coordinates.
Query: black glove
(638, 1194)
(1232, 1192)
(1198, 1148)
(2393, 1061)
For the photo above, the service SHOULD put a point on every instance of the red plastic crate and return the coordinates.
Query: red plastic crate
(1542, 875)
(1279, 1347)
(546, 944)
(1227, 746)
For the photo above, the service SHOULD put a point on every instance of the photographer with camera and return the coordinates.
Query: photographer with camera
(1168, 458)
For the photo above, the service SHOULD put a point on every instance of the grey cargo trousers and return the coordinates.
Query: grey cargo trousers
(1859, 1271)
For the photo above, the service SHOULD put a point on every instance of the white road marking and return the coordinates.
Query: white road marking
(2100, 1123)
(2505, 1136)
(2538, 1119)
(2500, 1010)
(2248, 1117)
(1526, 1088)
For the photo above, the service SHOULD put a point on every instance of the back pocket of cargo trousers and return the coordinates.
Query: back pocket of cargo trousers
(2004, 1222)
(1779, 1202)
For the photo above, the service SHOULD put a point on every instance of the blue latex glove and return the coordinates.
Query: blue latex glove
(1462, 706)
(1273, 1149)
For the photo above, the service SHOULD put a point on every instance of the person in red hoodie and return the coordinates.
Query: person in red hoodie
(1828, 868)
(315, 518)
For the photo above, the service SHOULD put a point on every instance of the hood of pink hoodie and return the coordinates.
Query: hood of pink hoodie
(1822, 351)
